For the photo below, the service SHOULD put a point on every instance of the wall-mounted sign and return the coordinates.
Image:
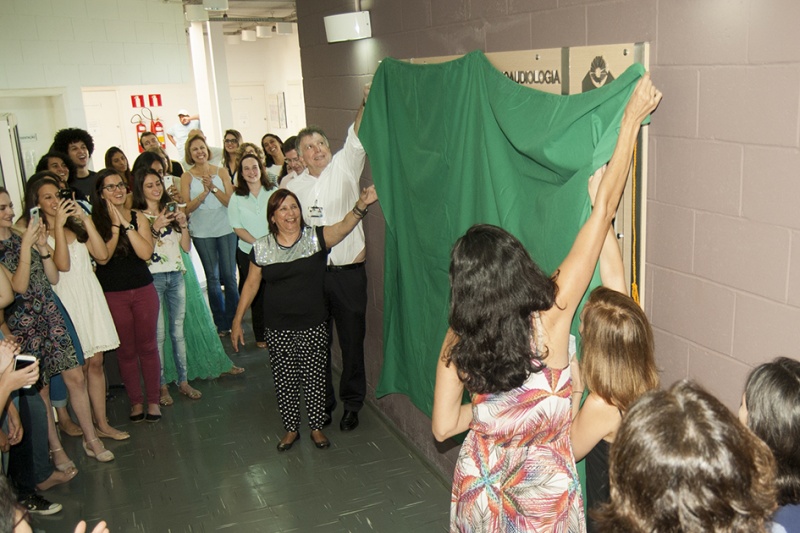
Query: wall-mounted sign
(137, 100)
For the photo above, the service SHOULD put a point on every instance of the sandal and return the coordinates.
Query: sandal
(71, 429)
(68, 467)
(57, 478)
(190, 392)
(234, 371)
(165, 399)
(119, 435)
(104, 457)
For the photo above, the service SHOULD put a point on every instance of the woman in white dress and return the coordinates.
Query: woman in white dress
(74, 239)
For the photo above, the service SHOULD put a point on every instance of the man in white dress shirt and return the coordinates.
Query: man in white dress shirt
(328, 189)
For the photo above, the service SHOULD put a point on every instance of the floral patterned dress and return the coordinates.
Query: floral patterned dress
(34, 318)
(516, 471)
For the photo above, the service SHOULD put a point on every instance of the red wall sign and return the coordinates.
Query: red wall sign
(137, 100)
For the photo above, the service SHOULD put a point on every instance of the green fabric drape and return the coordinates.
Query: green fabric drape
(458, 143)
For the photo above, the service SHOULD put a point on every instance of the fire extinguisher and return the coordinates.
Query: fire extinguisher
(158, 128)
(140, 128)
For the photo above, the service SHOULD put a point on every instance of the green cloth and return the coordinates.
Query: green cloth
(205, 355)
(458, 143)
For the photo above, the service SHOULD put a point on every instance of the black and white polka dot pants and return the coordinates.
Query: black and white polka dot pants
(295, 357)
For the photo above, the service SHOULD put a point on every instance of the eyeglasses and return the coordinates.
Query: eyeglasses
(111, 188)
(231, 141)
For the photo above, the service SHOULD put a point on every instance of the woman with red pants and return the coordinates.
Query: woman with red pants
(131, 296)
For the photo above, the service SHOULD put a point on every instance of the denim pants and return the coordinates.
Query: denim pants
(172, 297)
(218, 255)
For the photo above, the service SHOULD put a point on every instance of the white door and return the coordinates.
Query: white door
(102, 122)
(249, 106)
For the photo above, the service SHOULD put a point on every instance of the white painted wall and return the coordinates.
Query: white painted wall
(76, 58)
(269, 67)
(85, 43)
(109, 113)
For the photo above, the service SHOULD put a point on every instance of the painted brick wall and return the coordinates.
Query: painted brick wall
(84, 43)
(723, 226)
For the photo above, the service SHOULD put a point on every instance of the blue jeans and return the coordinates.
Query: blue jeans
(171, 292)
(218, 255)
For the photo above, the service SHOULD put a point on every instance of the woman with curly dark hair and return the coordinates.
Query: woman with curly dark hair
(771, 409)
(682, 463)
(508, 345)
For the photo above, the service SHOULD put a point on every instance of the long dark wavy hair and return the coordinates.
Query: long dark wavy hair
(110, 153)
(100, 216)
(139, 201)
(241, 185)
(37, 181)
(772, 398)
(495, 287)
(269, 161)
(683, 463)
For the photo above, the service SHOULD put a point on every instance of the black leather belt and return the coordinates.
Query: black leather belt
(339, 268)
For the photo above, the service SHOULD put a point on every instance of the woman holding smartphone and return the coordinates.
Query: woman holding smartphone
(171, 234)
(42, 329)
(205, 356)
(75, 242)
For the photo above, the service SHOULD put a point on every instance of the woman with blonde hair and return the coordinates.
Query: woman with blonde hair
(207, 189)
(617, 367)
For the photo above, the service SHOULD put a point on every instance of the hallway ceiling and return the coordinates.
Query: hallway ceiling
(246, 14)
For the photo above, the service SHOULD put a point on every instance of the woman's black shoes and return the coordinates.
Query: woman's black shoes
(321, 443)
(152, 418)
(283, 446)
(137, 418)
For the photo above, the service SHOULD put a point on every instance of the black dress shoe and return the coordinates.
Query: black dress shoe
(327, 421)
(349, 421)
(322, 443)
(152, 418)
(137, 418)
(283, 447)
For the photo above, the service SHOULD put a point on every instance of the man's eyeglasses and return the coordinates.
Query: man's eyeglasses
(111, 188)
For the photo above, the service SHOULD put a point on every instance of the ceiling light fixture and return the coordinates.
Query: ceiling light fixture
(215, 5)
(348, 27)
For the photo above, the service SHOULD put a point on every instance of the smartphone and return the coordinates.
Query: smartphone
(35, 216)
(23, 360)
(65, 194)
(172, 207)
(169, 181)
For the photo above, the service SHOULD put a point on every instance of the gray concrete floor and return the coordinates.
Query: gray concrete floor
(211, 465)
